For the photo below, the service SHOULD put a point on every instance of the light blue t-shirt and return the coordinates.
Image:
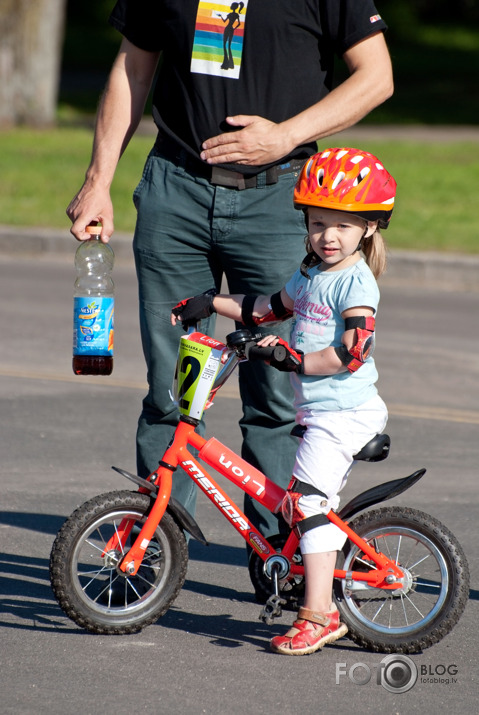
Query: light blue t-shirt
(317, 324)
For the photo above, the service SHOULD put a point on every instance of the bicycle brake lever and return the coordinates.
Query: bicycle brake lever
(272, 609)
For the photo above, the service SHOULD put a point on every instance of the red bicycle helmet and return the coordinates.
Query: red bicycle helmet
(347, 180)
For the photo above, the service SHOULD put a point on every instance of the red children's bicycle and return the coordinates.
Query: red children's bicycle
(119, 561)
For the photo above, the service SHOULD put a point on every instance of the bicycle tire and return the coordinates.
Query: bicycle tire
(434, 593)
(88, 585)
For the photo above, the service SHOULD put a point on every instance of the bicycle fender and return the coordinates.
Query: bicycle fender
(185, 520)
(138, 480)
(379, 493)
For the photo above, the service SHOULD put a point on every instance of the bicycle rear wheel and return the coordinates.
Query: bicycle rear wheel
(435, 588)
(86, 580)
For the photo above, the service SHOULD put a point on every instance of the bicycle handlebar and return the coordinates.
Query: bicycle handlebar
(276, 352)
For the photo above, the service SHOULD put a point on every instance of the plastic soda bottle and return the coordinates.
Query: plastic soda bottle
(93, 307)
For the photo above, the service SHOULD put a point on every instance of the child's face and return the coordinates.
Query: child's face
(335, 235)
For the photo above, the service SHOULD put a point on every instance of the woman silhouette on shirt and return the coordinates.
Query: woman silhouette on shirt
(233, 22)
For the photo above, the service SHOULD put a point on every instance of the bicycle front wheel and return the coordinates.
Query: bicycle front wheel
(85, 576)
(434, 591)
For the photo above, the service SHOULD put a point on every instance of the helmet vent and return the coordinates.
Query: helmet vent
(338, 179)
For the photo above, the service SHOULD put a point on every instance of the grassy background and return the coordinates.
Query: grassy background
(435, 208)
(436, 66)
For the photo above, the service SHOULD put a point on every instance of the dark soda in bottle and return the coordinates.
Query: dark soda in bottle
(93, 307)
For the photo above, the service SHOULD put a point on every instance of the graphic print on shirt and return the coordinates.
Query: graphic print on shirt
(310, 317)
(218, 41)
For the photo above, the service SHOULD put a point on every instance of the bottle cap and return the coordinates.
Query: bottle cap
(93, 230)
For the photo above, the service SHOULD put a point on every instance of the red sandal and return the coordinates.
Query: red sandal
(309, 633)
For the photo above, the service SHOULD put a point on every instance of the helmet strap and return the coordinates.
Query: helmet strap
(309, 260)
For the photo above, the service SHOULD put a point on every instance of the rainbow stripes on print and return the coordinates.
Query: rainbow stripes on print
(218, 41)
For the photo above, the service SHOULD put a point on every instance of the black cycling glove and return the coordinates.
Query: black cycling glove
(200, 306)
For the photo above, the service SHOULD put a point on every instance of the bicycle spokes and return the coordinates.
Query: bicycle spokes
(423, 586)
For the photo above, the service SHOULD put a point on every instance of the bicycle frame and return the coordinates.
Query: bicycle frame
(385, 573)
(119, 561)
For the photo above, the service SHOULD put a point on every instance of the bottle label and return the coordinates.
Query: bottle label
(93, 325)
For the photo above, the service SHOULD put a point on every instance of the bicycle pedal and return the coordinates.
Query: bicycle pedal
(272, 609)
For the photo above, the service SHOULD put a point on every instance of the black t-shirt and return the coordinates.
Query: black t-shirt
(271, 58)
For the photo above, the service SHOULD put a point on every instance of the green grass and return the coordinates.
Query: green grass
(435, 208)
(41, 171)
(436, 196)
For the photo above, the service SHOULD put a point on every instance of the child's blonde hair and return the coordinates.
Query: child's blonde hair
(374, 250)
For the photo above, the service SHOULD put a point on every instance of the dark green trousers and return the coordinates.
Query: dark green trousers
(189, 234)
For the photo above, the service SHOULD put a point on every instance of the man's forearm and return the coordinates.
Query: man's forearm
(120, 111)
(121, 108)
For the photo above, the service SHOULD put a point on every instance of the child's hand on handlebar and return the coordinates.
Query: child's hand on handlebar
(190, 310)
(293, 360)
(268, 340)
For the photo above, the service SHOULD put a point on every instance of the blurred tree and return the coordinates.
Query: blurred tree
(406, 16)
(31, 33)
(90, 42)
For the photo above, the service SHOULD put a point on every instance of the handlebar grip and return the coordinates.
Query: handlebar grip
(276, 352)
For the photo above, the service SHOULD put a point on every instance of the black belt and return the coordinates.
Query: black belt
(217, 175)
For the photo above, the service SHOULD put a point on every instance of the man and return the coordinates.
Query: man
(215, 198)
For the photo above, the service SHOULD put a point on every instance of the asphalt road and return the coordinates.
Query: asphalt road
(59, 435)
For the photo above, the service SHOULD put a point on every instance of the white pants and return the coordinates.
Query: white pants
(325, 458)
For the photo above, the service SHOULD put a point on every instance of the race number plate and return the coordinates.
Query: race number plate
(199, 359)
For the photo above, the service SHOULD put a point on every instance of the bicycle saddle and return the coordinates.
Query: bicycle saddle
(375, 450)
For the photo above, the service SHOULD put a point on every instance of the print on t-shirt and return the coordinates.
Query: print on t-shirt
(218, 41)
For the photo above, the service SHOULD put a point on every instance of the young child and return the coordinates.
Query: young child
(347, 196)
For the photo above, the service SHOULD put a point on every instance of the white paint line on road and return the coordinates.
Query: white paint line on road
(428, 412)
